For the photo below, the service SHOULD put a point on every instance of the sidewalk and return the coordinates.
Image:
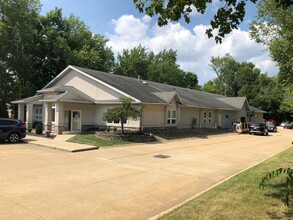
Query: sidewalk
(59, 143)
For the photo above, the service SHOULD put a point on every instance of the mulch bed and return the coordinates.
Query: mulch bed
(129, 137)
(173, 134)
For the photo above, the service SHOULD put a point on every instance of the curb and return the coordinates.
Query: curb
(209, 188)
(62, 149)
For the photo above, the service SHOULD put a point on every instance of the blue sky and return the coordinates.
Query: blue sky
(121, 23)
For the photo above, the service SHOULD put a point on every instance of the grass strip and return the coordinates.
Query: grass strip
(91, 139)
(241, 198)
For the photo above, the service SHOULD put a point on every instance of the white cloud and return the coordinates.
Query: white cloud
(194, 49)
(129, 27)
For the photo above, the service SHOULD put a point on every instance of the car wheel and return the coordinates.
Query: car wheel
(13, 137)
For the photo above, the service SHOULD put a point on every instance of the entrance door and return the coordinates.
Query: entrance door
(76, 120)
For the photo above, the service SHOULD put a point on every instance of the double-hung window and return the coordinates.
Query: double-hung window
(171, 117)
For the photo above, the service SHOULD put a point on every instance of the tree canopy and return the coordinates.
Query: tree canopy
(161, 67)
(245, 80)
(35, 48)
(226, 18)
(273, 28)
(123, 112)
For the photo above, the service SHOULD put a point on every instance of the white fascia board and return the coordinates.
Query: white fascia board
(57, 77)
(105, 84)
(212, 108)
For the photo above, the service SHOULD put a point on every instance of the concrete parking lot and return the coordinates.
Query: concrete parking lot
(125, 182)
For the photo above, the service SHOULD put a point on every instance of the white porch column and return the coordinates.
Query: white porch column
(59, 118)
(20, 115)
(200, 119)
(29, 115)
(47, 116)
(216, 122)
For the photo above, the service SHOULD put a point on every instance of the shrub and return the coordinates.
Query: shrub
(39, 129)
(114, 129)
(102, 128)
(35, 123)
(108, 129)
(29, 130)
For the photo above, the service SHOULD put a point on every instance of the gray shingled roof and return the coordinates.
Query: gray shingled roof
(66, 94)
(252, 108)
(29, 99)
(236, 102)
(152, 92)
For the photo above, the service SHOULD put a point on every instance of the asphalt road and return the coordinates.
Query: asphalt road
(125, 182)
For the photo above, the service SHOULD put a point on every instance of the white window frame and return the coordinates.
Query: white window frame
(207, 117)
(115, 122)
(38, 113)
(210, 117)
(53, 115)
(171, 117)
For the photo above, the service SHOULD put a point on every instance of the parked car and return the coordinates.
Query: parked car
(271, 121)
(288, 125)
(258, 128)
(12, 130)
(284, 122)
(272, 127)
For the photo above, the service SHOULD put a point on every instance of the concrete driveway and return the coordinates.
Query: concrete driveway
(125, 182)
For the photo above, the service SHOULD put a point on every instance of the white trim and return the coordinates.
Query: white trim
(58, 76)
(93, 78)
(107, 85)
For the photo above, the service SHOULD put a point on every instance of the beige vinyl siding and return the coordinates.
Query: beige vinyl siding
(227, 118)
(154, 116)
(87, 112)
(88, 86)
(99, 111)
(186, 116)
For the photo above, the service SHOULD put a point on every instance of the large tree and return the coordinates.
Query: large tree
(61, 41)
(244, 79)
(133, 62)
(227, 17)
(35, 48)
(161, 67)
(274, 28)
(226, 69)
(17, 22)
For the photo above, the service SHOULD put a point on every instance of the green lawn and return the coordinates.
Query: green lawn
(241, 198)
(91, 139)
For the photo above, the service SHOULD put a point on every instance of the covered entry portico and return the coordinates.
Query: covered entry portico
(30, 109)
(62, 108)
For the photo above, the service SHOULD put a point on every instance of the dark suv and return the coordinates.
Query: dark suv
(258, 128)
(12, 130)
